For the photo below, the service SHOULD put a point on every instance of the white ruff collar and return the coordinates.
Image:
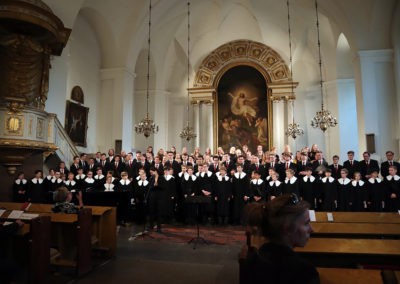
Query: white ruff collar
(360, 182)
(330, 180)
(312, 178)
(70, 182)
(168, 177)
(344, 181)
(35, 180)
(220, 178)
(108, 187)
(292, 180)
(389, 177)
(257, 181)
(127, 182)
(19, 181)
(372, 180)
(240, 176)
(277, 183)
(186, 177)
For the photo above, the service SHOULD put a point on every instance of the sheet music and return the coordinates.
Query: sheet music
(15, 214)
(330, 217)
(311, 213)
(26, 216)
(7, 223)
(2, 211)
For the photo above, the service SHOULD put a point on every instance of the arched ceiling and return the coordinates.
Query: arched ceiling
(121, 25)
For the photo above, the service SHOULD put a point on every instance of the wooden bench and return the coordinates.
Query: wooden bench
(356, 230)
(68, 232)
(104, 223)
(35, 236)
(339, 252)
(360, 217)
(72, 232)
(354, 276)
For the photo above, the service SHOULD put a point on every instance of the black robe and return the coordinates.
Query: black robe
(20, 190)
(169, 184)
(206, 181)
(140, 194)
(359, 194)
(36, 191)
(393, 187)
(344, 194)
(328, 190)
(291, 186)
(223, 194)
(376, 194)
(258, 189)
(308, 190)
(240, 187)
(274, 189)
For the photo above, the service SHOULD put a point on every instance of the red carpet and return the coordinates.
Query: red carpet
(213, 235)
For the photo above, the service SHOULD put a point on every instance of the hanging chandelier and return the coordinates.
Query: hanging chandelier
(294, 130)
(187, 132)
(147, 126)
(323, 118)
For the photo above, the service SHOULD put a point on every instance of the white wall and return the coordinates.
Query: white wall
(84, 65)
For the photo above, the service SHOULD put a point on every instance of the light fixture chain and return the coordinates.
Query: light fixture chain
(290, 57)
(188, 61)
(319, 55)
(148, 63)
(294, 130)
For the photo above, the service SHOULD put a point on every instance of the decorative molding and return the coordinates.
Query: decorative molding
(31, 144)
(14, 125)
(241, 52)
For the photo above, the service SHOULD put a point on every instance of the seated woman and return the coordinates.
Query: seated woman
(63, 204)
(285, 224)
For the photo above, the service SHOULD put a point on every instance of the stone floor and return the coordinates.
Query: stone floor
(145, 261)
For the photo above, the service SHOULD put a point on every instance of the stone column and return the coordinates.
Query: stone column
(204, 127)
(196, 127)
(379, 102)
(116, 104)
(347, 105)
(280, 94)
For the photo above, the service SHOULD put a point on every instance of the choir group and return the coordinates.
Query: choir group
(166, 186)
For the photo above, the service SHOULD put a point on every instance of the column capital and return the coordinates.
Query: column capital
(380, 55)
(202, 96)
(282, 91)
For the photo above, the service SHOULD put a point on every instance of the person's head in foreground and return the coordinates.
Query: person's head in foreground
(284, 220)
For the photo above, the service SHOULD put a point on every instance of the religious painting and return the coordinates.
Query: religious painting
(76, 119)
(242, 109)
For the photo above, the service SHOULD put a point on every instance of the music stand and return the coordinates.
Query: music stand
(197, 201)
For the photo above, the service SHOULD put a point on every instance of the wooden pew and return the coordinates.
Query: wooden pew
(356, 230)
(335, 252)
(35, 235)
(74, 229)
(360, 217)
(104, 224)
(345, 275)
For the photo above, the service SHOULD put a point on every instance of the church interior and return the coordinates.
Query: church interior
(81, 76)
